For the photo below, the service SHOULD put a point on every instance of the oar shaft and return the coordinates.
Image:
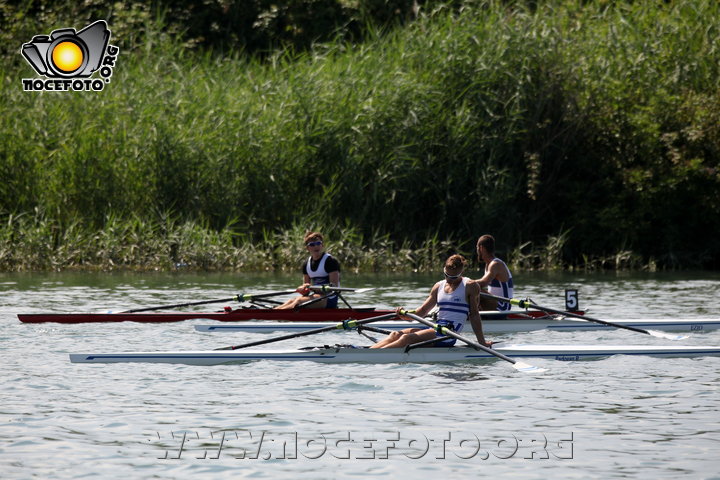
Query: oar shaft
(180, 305)
(243, 297)
(330, 288)
(346, 325)
(525, 304)
(250, 296)
(237, 298)
(277, 339)
(450, 333)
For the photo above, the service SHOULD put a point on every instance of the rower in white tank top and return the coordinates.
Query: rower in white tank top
(502, 289)
(320, 276)
(453, 309)
(497, 278)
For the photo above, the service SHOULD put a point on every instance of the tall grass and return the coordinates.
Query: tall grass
(500, 119)
(37, 242)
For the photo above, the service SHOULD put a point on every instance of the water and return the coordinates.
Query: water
(620, 417)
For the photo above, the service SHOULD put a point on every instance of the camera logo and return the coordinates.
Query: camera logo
(68, 58)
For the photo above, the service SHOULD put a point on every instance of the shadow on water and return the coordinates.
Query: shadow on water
(461, 376)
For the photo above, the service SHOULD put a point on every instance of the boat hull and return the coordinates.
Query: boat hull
(238, 315)
(396, 355)
(510, 325)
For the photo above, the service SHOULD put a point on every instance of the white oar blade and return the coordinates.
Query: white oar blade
(363, 290)
(667, 336)
(527, 368)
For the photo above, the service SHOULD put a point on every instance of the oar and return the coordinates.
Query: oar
(526, 304)
(243, 297)
(518, 365)
(319, 289)
(344, 325)
(329, 288)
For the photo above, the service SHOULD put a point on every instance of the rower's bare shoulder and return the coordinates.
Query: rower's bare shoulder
(499, 270)
(494, 264)
(473, 286)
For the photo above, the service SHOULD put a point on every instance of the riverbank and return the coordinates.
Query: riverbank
(37, 243)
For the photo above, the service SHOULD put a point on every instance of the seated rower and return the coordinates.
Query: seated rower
(453, 296)
(321, 268)
(497, 279)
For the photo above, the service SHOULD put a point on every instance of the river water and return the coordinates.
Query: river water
(620, 417)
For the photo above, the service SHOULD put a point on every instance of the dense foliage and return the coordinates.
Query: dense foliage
(254, 27)
(581, 133)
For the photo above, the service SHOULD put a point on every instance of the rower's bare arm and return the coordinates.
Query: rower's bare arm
(485, 280)
(495, 270)
(499, 271)
(473, 294)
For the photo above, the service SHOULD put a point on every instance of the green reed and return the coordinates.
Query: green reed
(499, 119)
(36, 242)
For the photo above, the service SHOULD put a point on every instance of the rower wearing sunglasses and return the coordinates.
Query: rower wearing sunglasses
(321, 268)
(453, 296)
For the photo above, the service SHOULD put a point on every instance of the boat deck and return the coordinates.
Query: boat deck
(489, 326)
(344, 354)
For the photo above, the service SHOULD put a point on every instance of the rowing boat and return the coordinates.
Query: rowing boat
(228, 315)
(350, 354)
(238, 315)
(492, 325)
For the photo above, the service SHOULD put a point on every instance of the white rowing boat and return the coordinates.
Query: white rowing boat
(557, 323)
(349, 354)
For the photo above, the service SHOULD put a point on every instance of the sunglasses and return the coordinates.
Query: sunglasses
(314, 244)
(452, 277)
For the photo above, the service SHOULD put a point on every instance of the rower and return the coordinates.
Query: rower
(321, 268)
(497, 279)
(453, 296)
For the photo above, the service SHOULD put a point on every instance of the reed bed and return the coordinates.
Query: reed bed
(38, 243)
(500, 118)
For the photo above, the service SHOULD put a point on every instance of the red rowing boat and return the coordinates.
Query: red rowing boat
(237, 315)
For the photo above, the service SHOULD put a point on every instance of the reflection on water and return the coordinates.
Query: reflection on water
(472, 374)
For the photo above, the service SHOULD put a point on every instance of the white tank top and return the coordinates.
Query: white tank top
(502, 289)
(453, 307)
(320, 276)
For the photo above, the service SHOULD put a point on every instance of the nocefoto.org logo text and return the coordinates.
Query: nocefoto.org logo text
(68, 59)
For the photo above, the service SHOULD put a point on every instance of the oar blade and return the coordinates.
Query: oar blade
(363, 290)
(527, 368)
(519, 366)
(667, 336)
